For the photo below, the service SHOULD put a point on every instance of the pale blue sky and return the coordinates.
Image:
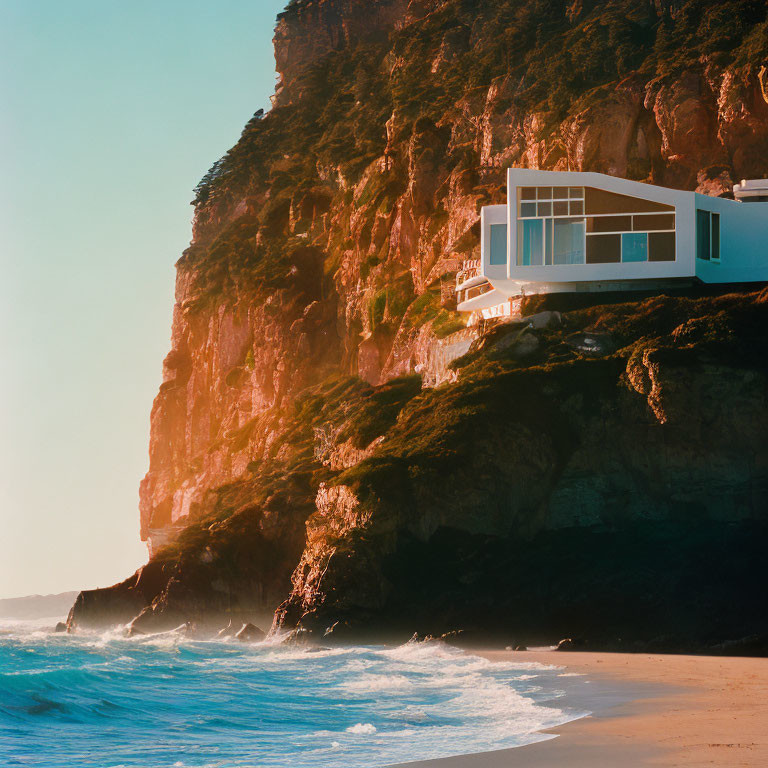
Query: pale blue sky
(110, 113)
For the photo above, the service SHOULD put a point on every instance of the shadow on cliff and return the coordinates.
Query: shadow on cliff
(612, 491)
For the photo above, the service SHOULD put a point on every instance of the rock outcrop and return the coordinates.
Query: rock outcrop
(313, 312)
(616, 492)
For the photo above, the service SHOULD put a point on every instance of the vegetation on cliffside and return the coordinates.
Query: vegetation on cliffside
(598, 472)
(296, 457)
(551, 59)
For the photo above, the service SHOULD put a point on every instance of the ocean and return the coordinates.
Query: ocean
(105, 700)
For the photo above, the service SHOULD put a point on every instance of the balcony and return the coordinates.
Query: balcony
(469, 268)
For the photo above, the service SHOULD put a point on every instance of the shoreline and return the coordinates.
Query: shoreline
(643, 710)
(649, 710)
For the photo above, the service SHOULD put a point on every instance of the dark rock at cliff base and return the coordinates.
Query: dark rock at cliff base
(418, 637)
(469, 638)
(753, 645)
(60, 627)
(148, 621)
(250, 633)
(569, 644)
(456, 637)
(119, 604)
(299, 636)
(187, 629)
(229, 631)
(98, 608)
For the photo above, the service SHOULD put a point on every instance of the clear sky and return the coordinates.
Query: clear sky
(110, 113)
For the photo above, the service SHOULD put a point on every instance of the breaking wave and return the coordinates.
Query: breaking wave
(107, 701)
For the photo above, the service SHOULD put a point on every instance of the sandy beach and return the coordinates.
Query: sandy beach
(650, 710)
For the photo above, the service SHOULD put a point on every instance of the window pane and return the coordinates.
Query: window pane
(609, 224)
(660, 221)
(545, 193)
(527, 209)
(545, 209)
(661, 246)
(568, 246)
(715, 235)
(560, 193)
(634, 246)
(576, 192)
(498, 253)
(527, 193)
(560, 209)
(577, 207)
(530, 235)
(548, 242)
(603, 249)
(601, 201)
(702, 235)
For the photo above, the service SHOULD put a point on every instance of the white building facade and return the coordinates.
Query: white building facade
(573, 231)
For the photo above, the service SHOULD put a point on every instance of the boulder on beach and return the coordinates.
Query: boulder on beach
(569, 644)
(60, 627)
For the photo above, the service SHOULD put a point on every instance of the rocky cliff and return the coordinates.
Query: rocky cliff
(295, 456)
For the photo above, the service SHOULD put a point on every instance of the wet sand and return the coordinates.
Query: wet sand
(648, 710)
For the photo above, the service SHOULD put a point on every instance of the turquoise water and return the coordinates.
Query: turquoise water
(107, 701)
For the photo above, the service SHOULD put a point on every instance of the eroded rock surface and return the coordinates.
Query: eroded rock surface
(314, 304)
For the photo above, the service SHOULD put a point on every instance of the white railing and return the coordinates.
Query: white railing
(469, 268)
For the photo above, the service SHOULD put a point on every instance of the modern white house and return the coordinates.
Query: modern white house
(563, 231)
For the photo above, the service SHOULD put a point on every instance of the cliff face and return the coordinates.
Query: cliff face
(321, 245)
(612, 490)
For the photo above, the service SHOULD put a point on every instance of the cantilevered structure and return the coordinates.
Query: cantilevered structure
(571, 231)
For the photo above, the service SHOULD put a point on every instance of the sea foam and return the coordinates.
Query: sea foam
(158, 702)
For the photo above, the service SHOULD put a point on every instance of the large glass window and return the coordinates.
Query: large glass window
(703, 236)
(578, 225)
(568, 241)
(530, 242)
(707, 235)
(498, 255)
(634, 246)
